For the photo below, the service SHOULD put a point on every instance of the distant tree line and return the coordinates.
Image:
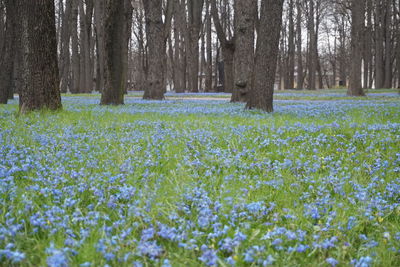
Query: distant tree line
(244, 47)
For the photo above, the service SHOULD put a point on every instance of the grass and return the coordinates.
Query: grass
(201, 182)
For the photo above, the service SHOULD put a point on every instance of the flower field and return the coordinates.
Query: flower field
(201, 183)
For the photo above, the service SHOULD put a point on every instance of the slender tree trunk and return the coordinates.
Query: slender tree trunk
(266, 55)
(228, 49)
(65, 62)
(39, 44)
(357, 31)
(368, 45)
(7, 52)
(75, 49)
(291, 46)
(100, 51)
(311, 58)
(388, 45)
(300, 76)
(113, 93)
(128, 13)
(379, 39)
(209, 69)
(245, 16)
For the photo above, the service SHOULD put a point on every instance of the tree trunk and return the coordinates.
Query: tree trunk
(41, 81)
(311, 57)
(291, 47)
(99, 27)
(388, 45)
(228, 54)
(245, 16)
(65, 62)
(368, 45)
(300, 76)
(379, 39)
(7, 52)
(357, 31)
(157, 50)
(113, 93)
(228, 49)
(75, 49)
(128, 13)
(209, 70)
(195, 8)
(266, 56)
(2, 25)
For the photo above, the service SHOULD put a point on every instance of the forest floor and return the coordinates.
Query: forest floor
(200, 182)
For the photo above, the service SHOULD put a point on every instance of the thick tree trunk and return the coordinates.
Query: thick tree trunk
(157, 50)
(7, 52)
(357, 31)
(245, 16)
(39, 45)
(2, 24)
(114, 82)
(266, 55)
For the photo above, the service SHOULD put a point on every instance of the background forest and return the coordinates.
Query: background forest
(208, 45)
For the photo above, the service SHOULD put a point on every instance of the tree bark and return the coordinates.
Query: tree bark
(195, 8)
(291, 46)
(41, 81)
(311, 53)
(75, 86)
(245, 16)
(266, 56)
(388, 45)
(113, 93)
(157, 50)
(100, 51)
(65, 61)
(209, 69)
(379, 52)
(7, 52)
(357, 31)
(300, 76)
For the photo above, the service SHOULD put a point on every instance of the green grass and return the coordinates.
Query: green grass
(307, 169)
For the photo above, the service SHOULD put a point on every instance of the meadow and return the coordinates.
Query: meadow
(202, 182)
